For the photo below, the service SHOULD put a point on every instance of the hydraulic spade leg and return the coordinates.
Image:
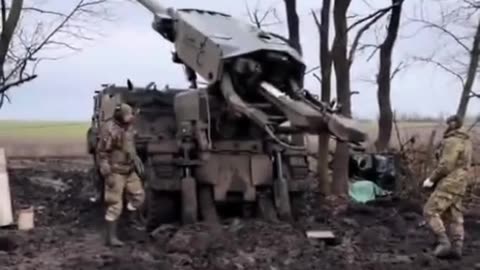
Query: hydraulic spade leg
(280, 190)
(189, 192)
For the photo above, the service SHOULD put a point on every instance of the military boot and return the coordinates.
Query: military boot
(443, 245)
(457, 247)
(111, 236)
(134, 220)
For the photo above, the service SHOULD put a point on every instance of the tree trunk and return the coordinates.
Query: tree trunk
(293, 24)
(294, 38)
(341, 65)
(472, 72)
(326, 71)
(9, 24)
(384, 79)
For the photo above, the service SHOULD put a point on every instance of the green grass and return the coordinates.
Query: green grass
(52, 130)
(12, 130)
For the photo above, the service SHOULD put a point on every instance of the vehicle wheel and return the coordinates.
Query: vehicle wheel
(208, 209)
(161, 208)
(266, 209)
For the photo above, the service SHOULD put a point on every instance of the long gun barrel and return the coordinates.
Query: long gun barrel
(155, 7)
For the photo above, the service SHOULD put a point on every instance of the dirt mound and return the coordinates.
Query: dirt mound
(385, 235)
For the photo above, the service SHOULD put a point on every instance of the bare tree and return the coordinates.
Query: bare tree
(293, 24)
(384, 78)
(22, 45)
(342, 72)
(323, 26)
(385, 74)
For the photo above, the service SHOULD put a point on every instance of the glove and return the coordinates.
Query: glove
(105, 169)
(139, 168)
(427, 183)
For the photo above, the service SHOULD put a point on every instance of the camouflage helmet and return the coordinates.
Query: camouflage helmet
(123, 110)
(126, 109)
(456, 119)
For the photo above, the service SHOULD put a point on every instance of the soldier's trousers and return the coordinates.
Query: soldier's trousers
(443, 206)
(115, 186)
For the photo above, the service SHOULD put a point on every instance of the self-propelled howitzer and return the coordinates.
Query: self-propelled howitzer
(228, 141)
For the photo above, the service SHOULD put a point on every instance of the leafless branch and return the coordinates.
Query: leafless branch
(312, 70)
(473, 94)
(472, 4)
(315, 18)
(371, 16)
(3, 97)
(22, 56)
(7, 86)
(317, 77)
(401, 66)
(442, 28)
(258, 18)
(361, 31)
(249, 12)
(442, 66)
(42, 11)
(376, 48)
(367, 4)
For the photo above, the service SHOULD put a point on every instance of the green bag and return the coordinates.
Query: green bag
(364, 191)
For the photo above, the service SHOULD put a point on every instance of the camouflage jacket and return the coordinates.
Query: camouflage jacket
(116, 148)
(451, 174)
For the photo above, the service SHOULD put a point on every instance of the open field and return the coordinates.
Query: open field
(43, 138)
(43, 129)
(47, 138)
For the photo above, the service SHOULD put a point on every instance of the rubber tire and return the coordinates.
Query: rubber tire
(208, 209)
(161, 208)
(266, 208)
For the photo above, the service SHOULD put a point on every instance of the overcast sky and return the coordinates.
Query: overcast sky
(129, 48)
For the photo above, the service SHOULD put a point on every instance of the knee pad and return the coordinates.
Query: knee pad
(111, 199)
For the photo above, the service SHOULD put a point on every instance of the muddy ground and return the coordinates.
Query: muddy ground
(68, 234)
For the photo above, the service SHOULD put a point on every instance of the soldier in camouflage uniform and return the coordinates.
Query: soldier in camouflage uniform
(120, 166)
(450, 180)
